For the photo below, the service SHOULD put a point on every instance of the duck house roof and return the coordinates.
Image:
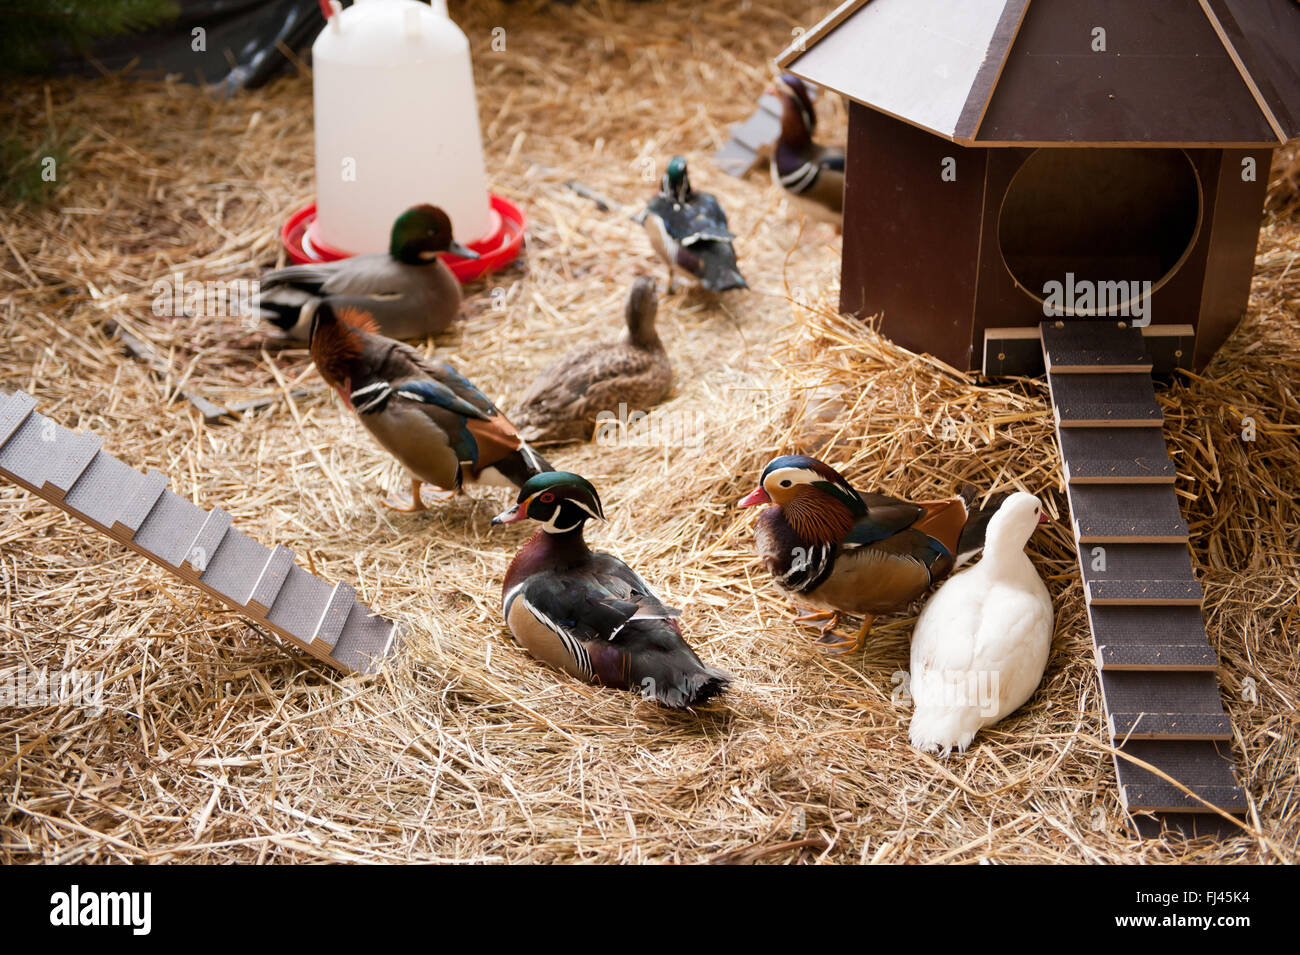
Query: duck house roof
(1222, 73)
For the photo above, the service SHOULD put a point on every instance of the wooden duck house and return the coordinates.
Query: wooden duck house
(1015, 160)
(1076, 186)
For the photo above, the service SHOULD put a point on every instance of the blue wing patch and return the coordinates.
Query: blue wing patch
(432, 392)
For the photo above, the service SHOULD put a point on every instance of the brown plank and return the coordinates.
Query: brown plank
(1091, 347)
(1169, 726)
(1105, 401)
(1010, 352)
(1204, 766)
(1117, 627)
(1187, 825)
(1117, 513)
(1151, 593)
(1130, 561)
(1266, 36)
(1136, 656)
(1163, 797)
(1156, 692)
(1115, 456)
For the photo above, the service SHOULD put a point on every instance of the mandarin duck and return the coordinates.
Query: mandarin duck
(838, 551)
(812, 176)
(981, 643)
(565, 402)
(408, 290)
(689, 231)
(438, 425)
(588, 613)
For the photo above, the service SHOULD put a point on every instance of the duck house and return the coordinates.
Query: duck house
(1015, 160)
(1076, 187)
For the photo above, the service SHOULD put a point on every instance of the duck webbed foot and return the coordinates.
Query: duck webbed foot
(416, 503)
(827, 618)
(834, 642)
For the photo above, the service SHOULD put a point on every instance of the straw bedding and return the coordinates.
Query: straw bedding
(217, 745)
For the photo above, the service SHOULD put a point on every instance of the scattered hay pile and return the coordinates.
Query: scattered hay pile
(216, 745)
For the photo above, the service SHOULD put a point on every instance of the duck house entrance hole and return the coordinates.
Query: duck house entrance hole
(1100, 215)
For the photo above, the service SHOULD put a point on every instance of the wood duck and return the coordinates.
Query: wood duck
(689, 231)
(565, 402)
(588, 613)
(408, 290)
(839, 551)
(443, 429)
(811, 175)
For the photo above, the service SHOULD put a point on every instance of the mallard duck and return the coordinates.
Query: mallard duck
(981, 643)
(408, 290)
(839, 551)
(588, 613)
(443, 429)
(689, 231)
(564, 402)
(811, 175)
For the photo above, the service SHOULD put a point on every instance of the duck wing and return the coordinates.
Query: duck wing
(480, 434)
(700, 219)
(610, 628)
(566, 400)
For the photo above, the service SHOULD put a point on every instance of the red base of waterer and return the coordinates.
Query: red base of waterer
(498, 248)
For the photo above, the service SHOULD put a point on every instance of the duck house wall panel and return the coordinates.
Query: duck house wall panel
(909, 253)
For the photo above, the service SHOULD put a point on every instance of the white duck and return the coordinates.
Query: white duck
(981, 643)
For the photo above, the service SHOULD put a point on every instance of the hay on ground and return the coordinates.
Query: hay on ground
(216, 745)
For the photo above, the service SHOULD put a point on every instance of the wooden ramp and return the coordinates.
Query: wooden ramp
(1144, 601)
(200, 547)
(750, 142)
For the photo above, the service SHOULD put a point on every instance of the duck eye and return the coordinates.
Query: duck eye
(786, 482)
(547, 498)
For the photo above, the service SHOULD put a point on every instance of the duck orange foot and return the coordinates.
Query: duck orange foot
(834, 642)
(417, 502)
(827, 618)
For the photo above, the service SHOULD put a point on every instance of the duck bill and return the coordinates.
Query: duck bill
(465, 252)
(510, 515)
(754, 498)
(1043, 518)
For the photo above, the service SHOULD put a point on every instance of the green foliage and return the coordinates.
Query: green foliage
(32, 174)
(31, 29)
